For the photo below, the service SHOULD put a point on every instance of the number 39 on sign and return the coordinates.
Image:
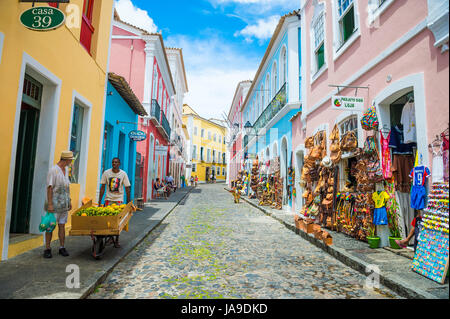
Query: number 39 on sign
(42, 18)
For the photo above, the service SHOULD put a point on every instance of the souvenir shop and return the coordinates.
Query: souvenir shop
(372, 193)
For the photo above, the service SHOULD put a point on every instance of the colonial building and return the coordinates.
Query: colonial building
(140, 57)
(235, 121)
(390, 53)
(179, 136)
(207, 148)
(53, 93)
(273, 99)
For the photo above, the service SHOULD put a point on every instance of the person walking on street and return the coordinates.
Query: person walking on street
(116, 179)
(183, 181)
(58, 201)
(192, 180)
(196, 180)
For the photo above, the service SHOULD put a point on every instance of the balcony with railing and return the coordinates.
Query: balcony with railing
(165, 124)
(155, 110)
(277, 103)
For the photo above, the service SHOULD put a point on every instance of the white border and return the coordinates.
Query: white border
(46, 140)
(338, 48)
(85, 137)
(395, 90)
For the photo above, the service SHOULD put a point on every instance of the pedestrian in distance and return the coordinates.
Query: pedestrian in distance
(183, 181)
(58, 201)
(192, 180)
(196, 180)
(114, 180)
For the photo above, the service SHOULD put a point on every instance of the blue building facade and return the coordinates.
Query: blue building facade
(273, 99)
(121, 117)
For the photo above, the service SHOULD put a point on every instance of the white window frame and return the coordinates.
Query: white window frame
(319, 13)
(267, 87)
(195, 130)
(262, 99)
(338, 47)
(208, 155)
(375, 9)
(223, 171)
(202, 133)
(218, 171)
(194, 168)
(209, 135)
(194, 152)
(155, 82)
(274, 86)
(215, 137)
(283, 66)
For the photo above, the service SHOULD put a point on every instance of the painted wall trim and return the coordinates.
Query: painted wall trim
(415, 82)
(100, 151)
(87, 116)
(53, 85)
(374, 62)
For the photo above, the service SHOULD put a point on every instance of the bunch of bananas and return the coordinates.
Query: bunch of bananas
(112, 210)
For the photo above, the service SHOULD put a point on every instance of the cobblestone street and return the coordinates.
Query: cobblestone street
(209, 247)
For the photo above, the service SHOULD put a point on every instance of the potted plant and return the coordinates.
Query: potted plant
(372, 239)
(392, 213)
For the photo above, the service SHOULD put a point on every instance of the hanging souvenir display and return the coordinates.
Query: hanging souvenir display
(432, 254)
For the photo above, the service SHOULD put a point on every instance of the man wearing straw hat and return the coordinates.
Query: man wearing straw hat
(58, 201)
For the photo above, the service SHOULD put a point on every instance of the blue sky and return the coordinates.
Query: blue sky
(223, 41)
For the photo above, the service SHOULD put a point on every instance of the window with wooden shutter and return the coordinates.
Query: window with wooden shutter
(87, 29)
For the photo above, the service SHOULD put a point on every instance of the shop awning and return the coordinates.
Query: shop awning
(125, 91)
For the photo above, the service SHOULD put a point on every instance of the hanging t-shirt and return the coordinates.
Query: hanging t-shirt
(419, 175)
(380, 198)
(408, 121)
(114, 184)
(396, 142)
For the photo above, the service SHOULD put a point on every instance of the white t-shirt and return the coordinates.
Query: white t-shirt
(408, 121)
(61, 189)
(114, 184)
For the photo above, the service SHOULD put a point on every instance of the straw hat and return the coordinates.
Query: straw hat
(67, 155)
(327, 161)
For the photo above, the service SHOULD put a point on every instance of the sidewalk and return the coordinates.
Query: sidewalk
(29, 275)
(395, 265)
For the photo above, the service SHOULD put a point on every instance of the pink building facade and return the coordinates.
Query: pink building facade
(395, 51)
(140, 57)
(235, 120)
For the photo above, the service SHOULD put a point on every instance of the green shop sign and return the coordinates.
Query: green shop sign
(42, 18)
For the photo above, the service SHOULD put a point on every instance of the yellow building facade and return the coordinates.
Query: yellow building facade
(53, 97)
(207, 149)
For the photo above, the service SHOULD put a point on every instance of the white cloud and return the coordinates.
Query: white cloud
(262, 30)
(213, 70)
(129, 13)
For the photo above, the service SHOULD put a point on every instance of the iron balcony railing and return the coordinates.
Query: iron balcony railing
(277, 103)
(165, 124)
(156, 110)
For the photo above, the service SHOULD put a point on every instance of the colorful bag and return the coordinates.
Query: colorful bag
(369, 120)
(48, 223)
(370, 145)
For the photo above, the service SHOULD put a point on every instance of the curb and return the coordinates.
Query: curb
(392, 282)
(135, 242)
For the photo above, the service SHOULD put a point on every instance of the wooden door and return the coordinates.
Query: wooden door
(24, 169)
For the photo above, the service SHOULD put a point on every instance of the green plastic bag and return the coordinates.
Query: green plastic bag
(48, 223)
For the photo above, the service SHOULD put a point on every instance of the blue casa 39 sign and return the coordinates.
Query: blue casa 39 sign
(137, 136)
